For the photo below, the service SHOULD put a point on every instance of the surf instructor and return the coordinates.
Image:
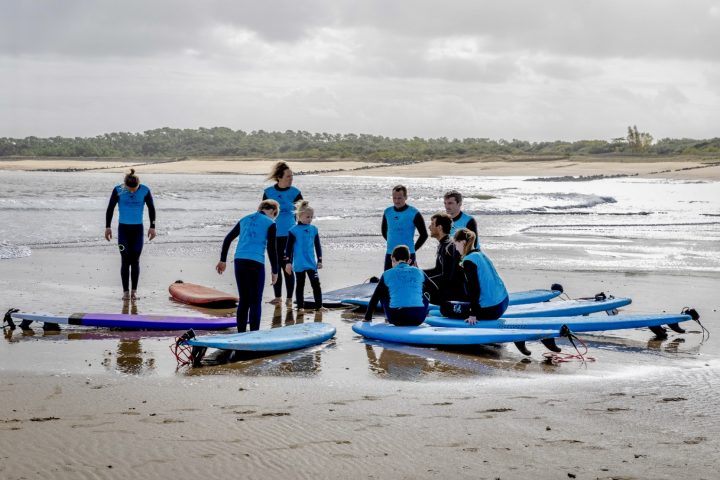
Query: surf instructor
(398, 227)
(131, 196)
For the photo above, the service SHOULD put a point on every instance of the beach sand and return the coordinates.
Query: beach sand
(88, 404)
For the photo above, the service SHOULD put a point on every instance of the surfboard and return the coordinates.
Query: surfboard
(333, 298)
(515, 298)
(195, 294)
(576, 324)
(120, 320)
(280, 339)
(427, 335)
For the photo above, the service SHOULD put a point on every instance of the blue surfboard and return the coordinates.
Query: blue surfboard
(575, 324)
(426, 335)
(281, 339)
(121, 320)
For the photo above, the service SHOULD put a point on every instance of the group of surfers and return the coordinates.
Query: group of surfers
(463, 281)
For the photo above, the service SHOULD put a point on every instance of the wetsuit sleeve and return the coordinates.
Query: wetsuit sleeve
(232, 235)
(111, 208)
(265, 197)
(430, 287)
(473, 287)
(272, 248)
(289, 247)
(381, 293)
(318, 248)
(151, 208)
(298, 198)
(422, 230)
(384, 227)
(472, 226)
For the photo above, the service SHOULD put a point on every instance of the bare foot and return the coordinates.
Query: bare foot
(276, 301)
(289, 302)
(126, 296)
(133, 295)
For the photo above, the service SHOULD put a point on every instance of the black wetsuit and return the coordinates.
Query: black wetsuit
(447, 273)
(419, 226)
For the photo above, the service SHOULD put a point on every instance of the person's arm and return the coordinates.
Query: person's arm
(422, 230)
(289, 248)
(381, 292)
(232, 235)
(384, 227)
(473, 287)
(109, 213)
(265, 197)
(151, 213)
(430, 287)
(472, 226)
(318, 250)
(298, 198)
(272, 248)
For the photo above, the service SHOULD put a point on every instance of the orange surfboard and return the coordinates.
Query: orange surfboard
(194, 294)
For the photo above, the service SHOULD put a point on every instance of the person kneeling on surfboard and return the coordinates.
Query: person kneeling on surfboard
(401, 291)
(257, 233)
(485, 289)
(303, 254)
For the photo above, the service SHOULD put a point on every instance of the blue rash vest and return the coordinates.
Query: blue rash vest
(131, 204)
(253, 237)
(286, 197)
(400, 228)
(492, 288)
(462, 222)
(405, 284)
(305, 244)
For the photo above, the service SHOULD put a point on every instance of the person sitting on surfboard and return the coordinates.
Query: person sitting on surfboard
(446, 274)
(401, 291)
(131, 196)
(286, 195)
(257, 233)
(399, 224)
(453, 206)
(303, 254)
(485, 289)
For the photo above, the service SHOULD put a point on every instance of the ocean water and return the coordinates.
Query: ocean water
(615, 224)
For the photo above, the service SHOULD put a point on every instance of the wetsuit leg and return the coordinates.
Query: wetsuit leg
(280, 244)
(315, 283)
(300, 289)
(250, 278)
(130, 243)
(407, 316)
(494, 312)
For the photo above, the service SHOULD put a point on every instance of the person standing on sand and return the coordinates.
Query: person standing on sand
(399, 224)
(286, 196)
(131, 196)
(453, 206)
(303, 254)
(447, 273)
(257, 233)
(485, 289)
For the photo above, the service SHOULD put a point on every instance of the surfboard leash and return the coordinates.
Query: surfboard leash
(696, 317)
(8, 321)
(553, 357)
(181, 350)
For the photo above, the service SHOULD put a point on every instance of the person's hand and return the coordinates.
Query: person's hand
(471, 320)
(220, 267)
(108, 234)
(151, 233)
(319, 264)
(273, 279)
(288, 269)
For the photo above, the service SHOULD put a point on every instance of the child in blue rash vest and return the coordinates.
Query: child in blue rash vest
(257, 233)
(399, 224)
(303, 254)
(485, 289)
(401, 291)
(286, 195)
(453, 205)
(131, 196)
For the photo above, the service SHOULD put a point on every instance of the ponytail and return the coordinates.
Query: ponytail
(303, 206)
(469, 237)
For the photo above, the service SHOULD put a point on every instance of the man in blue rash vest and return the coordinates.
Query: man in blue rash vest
(399, 224)
(453, 206)
(131, 196)
(401, 291)
(486, 291)
(257, 233)
(447, 273)
(286, 195)
(303, 254)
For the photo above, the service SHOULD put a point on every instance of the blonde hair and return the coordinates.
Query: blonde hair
(469, 237)
(269, 205)
(278, 170)
(303, 206)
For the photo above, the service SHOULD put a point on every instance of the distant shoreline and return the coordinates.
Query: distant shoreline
(561, 168)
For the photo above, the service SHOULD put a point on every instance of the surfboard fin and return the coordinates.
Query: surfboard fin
(551, 345)
(675, 327)
(523, 349)
(659, 332)
(196, 355)
(52, 327)
(25, 324)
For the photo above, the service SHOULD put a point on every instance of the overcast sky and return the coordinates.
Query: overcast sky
(526, 69)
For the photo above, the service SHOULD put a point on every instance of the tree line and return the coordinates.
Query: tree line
(221, 141)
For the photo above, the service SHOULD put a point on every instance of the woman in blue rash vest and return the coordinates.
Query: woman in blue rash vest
(485, 289)
(399, 224)
(401, 291)
(286, 195)
(257, 233)
(303, 254)
(131, 196)
(453, 206)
